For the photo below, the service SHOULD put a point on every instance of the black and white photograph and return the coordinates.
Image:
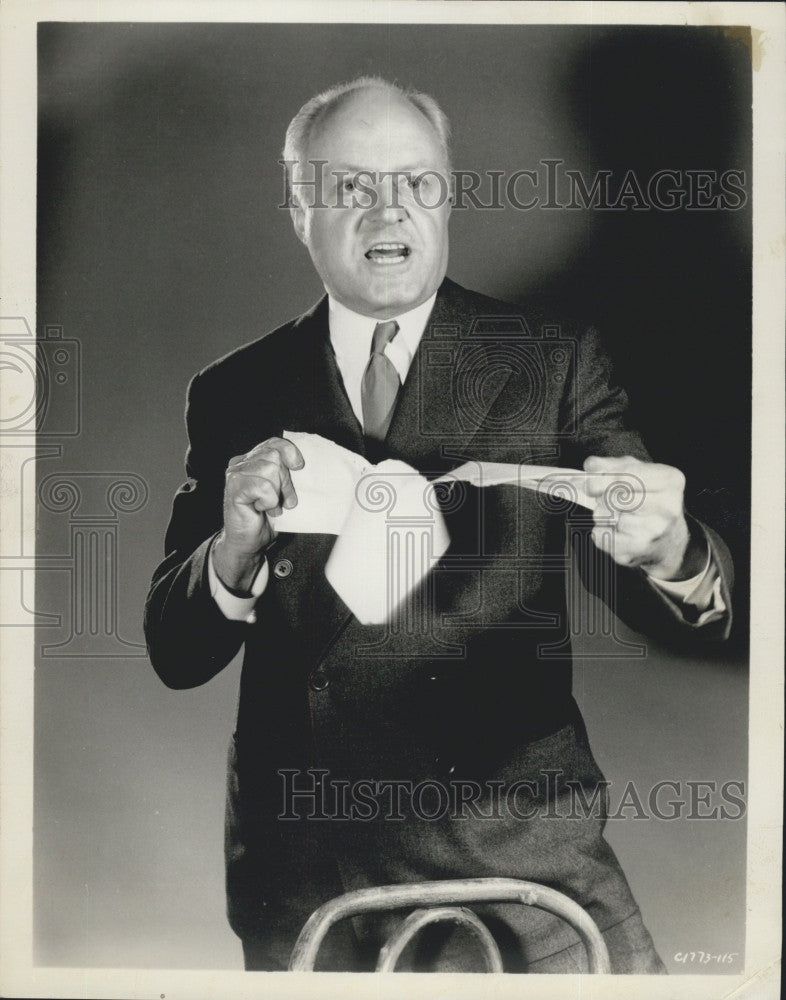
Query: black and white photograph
(392, 455)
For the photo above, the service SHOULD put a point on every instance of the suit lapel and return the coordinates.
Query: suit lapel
(319, 402)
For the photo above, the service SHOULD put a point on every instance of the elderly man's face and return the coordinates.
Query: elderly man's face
(380, 249)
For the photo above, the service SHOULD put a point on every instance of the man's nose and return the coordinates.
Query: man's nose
(388, 205)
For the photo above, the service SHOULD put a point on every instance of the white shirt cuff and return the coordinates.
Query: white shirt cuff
(702, 592)
(231, 606)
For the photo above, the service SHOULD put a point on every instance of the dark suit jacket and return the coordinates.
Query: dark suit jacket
(480, 689)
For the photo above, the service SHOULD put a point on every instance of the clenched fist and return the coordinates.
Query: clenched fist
(258, 486)
(653, 533)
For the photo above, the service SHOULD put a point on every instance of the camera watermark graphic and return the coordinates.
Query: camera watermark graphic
(548, 185)
(504, 385)
(458, 557)
(312, 794)
(42, 412)
(41, 382)
(472, 365)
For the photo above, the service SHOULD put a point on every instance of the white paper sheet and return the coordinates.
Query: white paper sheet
(390, 529)
(327, 484)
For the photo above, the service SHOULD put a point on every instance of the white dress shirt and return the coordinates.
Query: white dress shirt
(350, 336)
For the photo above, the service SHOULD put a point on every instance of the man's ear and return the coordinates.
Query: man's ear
(298, 215)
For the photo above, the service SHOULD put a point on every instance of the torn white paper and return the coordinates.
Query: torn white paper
(390, 528)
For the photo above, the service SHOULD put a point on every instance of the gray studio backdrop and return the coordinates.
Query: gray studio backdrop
(162, 246)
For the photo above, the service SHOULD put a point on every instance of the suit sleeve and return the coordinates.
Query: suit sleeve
(599, 406)
(189, 640)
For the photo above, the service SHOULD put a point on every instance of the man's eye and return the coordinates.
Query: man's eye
(348, 185)
(418, 181)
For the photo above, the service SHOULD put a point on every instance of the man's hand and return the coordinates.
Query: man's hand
(653, 533)
(258, 486)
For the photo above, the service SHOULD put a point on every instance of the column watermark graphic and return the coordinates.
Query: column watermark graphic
(415, 558)
(41, 413)
(93, 503)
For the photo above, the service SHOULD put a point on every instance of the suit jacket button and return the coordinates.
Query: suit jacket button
(318, 680)
(282, 568)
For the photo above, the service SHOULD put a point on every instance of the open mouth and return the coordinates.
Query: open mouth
(388, 253)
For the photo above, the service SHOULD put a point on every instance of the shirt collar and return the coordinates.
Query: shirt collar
(351, 333)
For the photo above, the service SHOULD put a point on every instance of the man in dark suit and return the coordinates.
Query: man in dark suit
(399, 362)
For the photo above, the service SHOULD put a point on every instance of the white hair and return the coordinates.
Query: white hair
(314, 110)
